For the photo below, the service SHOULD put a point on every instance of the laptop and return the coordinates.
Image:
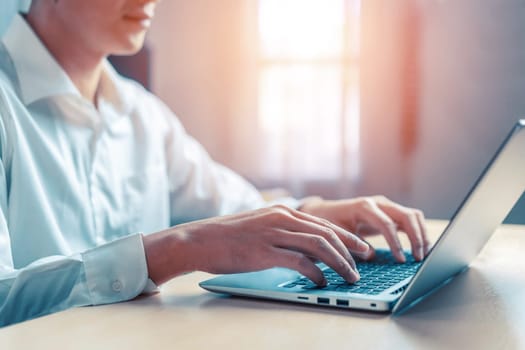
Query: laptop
(387, 286)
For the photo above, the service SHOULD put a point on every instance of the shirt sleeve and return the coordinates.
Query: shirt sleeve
(199, 186)
(110, 273)
(202, 188)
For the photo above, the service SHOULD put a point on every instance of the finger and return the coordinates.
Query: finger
(369, 255)
(363, 229)
(424, 234)
(407, 221)
(411, 221)
(292, 220)
(374, 216)
(300, 263)
(410, 225)
(319, 248)
(330, 235)
(353, 242)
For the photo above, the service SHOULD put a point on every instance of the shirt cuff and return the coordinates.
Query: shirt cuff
(150, 288)
(116, 271)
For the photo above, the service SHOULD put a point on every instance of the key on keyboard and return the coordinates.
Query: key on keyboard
(376, 276)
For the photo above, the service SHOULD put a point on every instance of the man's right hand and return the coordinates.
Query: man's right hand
(256, 240)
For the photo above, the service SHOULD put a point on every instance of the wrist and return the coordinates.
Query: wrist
(168, 254)
(311, 205)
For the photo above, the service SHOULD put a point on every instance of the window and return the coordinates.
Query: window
(308, 97)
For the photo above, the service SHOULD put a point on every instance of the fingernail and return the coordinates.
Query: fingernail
(369, 254)
(353, 275)
(401, 255)
(357, 275)
(363, 246)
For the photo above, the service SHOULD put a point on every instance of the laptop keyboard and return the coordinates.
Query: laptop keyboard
(376, 276)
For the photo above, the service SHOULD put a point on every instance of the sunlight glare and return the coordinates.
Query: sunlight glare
(301, 28)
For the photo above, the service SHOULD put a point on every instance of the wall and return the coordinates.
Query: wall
(195, 54)
(473, 84)
(472, 87)
(471, 90)
(382, 170)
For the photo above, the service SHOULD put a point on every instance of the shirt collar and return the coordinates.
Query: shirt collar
(39, 74)
(114, 89)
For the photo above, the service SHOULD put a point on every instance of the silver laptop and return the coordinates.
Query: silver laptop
(389, 286)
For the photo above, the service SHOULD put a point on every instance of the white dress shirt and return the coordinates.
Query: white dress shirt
(78, 184)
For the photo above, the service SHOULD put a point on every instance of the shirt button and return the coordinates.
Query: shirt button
(117, 286)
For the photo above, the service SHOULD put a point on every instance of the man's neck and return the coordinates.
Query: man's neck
(83, 67)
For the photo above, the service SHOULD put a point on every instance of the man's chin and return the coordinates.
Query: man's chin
(131, 47)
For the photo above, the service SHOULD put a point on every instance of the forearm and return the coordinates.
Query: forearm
(106, 274)
(31, 292)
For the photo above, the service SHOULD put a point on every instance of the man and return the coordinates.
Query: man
(103, 195)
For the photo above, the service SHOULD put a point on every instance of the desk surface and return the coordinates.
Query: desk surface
(484, 308)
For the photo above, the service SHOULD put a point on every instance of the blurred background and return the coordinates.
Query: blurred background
(407, 98)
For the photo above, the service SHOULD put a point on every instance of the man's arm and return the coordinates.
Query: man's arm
(200, 187)
(110, 273)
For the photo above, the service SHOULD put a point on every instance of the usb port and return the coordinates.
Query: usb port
(342, 302)
(323, 300)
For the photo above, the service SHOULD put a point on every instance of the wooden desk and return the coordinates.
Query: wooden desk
(483, 308)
